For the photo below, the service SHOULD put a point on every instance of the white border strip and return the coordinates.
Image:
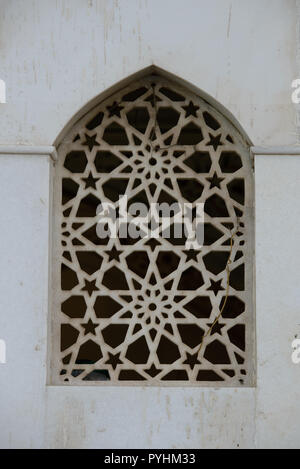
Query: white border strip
(276, 150)
(42, 150)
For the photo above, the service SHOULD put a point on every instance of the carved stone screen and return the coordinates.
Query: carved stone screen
(143, 310)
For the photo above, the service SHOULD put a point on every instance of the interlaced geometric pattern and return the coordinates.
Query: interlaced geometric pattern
(135, 311)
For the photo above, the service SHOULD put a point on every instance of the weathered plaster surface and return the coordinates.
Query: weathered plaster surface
(55, 56)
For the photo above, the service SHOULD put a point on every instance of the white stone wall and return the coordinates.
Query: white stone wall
(55, 57)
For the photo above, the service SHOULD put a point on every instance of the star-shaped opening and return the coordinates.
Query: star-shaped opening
(89, 327)
(191, 254)
(90, 181)
(114, 360)
(113, 254)
(91, 142)
(90, 287)
(191, 360)
(215, 286)
(191, 109)
(215, 181)
(114, 109)
(216, 329)
(215, 141)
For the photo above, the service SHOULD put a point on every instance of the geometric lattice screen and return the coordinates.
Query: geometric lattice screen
(142, 311)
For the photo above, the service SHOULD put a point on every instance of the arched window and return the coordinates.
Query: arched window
(149, 310)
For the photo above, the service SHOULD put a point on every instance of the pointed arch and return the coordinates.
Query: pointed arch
(146, 72)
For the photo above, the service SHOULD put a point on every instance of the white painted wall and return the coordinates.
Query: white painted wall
(55, 56)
